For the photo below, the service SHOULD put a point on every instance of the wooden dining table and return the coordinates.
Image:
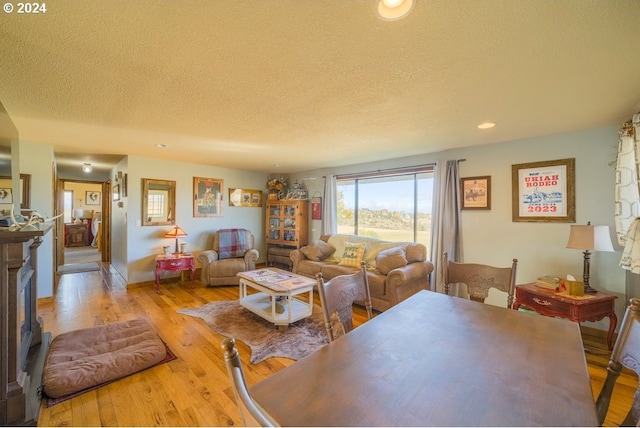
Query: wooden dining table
(437, 360)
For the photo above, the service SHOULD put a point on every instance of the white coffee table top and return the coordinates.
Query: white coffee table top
(277, 279)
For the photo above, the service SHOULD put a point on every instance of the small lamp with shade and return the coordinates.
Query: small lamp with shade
(176, 233)
(589, 238)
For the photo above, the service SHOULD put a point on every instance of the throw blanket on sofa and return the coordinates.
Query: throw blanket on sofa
(231, 243)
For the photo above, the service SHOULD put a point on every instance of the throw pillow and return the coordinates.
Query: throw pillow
(352, 255)
(373, 249)
(416, 253)
(338, 241)
(317, 250)
(388, 260)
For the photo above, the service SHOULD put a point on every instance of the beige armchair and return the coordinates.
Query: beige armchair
(233, 251)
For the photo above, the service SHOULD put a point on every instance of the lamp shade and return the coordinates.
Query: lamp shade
(176, 232)
(589, 237)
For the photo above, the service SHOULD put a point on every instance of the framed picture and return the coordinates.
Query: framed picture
(125, 188)
(207, 197)
(245, 198)
(116, 192)
(476, 193)
(25, 189)
(6, 195)
(92, 198)
(544, 191)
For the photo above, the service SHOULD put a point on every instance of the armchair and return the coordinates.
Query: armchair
(233, 251)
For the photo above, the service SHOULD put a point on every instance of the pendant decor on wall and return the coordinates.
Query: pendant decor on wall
(316, 206)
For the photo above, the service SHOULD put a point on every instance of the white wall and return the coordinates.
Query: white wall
(143, 243)
(491, 237)
(80, 195)
(119, 221)
(37, 160)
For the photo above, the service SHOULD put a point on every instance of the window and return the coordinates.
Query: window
(392, 205)
(67, 205)
(156, 204)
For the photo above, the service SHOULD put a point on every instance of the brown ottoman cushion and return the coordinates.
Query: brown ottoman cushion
(83, 358)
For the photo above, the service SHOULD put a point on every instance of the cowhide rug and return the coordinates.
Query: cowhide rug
(230, 319)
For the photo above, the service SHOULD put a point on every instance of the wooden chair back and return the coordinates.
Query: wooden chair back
(337, 297)
(480, 278)
(626, 353)
(252, 414)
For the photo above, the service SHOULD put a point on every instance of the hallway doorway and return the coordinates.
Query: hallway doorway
(81, 239)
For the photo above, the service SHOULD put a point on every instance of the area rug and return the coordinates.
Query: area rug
(79, 267)
(48, 401)
(230, 319)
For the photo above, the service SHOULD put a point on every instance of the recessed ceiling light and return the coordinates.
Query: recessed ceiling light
(391, 10)
(486, 125)
(161, 146)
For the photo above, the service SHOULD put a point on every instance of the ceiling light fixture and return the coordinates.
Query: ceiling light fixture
(87, 168)
(486, 125)
(392, 10)
(161, 146)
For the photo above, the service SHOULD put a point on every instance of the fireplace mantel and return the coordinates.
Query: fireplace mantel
(23, 343)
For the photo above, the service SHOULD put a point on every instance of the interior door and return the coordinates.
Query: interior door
(106, 221)
(59, 198)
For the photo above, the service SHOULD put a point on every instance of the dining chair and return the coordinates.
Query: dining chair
(250, 411)
(626, 353)
(337, 297)
(480, 278)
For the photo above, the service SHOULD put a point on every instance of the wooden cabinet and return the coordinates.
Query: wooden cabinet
(76, 235)
(287, 229)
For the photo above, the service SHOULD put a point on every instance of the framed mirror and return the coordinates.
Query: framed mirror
(6, 195)
(158, 202)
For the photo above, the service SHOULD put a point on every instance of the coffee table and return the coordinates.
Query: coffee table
(262, 290)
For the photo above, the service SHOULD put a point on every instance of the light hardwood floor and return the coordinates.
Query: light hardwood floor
(194, 389)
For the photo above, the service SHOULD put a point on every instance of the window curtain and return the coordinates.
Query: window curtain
(627, 194)
(446, 235)
(329, 208)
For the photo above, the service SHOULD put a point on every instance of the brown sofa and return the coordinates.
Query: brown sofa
(395, 270)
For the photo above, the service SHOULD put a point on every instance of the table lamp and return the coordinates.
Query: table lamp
(176, 232)
(589, 238)
(78, 213)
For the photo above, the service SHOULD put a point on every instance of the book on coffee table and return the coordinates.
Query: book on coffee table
(275, 279)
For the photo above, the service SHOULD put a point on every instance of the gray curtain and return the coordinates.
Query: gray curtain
(446, 229)
(329, 208)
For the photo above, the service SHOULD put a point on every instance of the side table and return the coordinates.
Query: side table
(175, 263)
(552, 304)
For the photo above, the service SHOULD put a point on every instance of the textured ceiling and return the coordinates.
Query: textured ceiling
(310, 84)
